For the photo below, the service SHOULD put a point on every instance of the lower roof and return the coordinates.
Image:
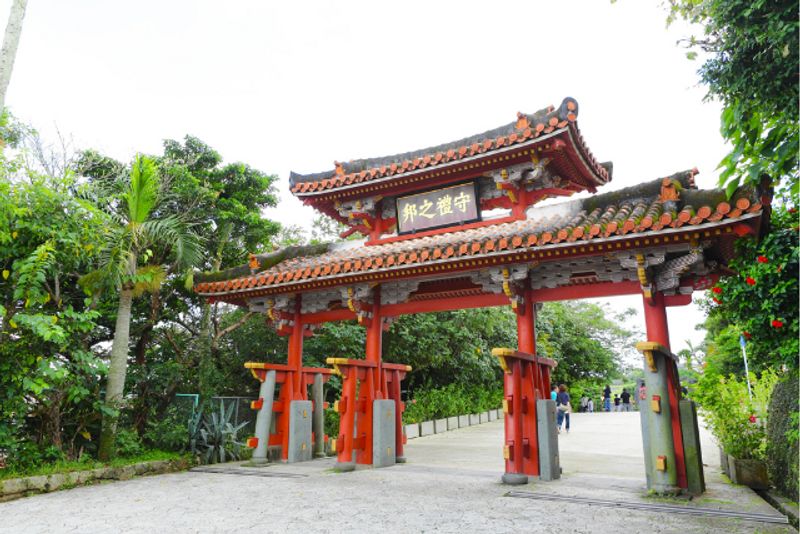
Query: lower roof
(664, 207)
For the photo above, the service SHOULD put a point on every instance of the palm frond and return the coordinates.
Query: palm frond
(115, 260)
(148, 279)
(142, 194)
(174, 232)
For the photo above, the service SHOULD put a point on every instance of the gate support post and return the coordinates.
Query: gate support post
(264, 418)
(655, 315)
(663, 477)
(522, 373)
(318, 421)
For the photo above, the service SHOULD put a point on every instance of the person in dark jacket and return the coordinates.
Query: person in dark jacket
(607, 398)
(626, 400)
(563, 407)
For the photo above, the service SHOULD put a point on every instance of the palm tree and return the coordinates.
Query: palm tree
(692, 353)
(8, 52)
(137, 228)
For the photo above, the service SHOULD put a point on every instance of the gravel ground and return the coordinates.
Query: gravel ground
(450, 484)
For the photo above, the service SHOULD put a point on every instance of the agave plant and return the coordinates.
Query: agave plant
(195, 423)
(219, 437)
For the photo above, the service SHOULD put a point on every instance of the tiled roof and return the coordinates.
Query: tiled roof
(644, 210)
(525, 128)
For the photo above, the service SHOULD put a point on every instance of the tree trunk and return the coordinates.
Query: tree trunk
(10, 43)
(117, 369)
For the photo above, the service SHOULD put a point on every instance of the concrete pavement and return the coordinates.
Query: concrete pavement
(450, 484)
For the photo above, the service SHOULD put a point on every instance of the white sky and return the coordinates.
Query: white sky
(296, 85)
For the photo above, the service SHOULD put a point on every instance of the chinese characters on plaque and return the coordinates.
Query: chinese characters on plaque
(434, 209)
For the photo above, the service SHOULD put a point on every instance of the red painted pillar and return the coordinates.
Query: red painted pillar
(295, 357)
(526, 332)
(374, 330)
(371, 387)
(520, 389)
(655, 318)
(396, 394)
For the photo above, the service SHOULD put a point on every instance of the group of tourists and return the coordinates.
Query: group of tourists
(621, 402)
(560, 395)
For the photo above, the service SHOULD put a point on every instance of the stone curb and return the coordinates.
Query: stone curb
(781, 504)
(438, 426)
(14, 488)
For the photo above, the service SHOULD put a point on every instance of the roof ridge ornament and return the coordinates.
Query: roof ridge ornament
(522, 121)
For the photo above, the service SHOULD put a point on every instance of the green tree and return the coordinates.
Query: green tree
(125, 244)
(174, 329)
(751, 67)
(49, 374)
(585, 340)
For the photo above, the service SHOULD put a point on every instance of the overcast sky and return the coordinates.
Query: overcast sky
(296, 85)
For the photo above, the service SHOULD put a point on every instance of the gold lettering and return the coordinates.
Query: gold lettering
(409, 212)
(445, 205)
(424, 209)
(461, 201)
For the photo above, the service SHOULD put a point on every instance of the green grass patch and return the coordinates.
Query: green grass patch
(90, 463)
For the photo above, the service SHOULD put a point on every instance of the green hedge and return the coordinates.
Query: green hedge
(782, 437)
(451, 400)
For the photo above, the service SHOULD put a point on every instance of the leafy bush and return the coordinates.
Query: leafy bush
(782, 437)
(128, 443)
(332, 423)
(169, 433)
(451, 400)
(761, 302)
(738, 422)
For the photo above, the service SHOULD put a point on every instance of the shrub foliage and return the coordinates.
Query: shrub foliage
(782, 437)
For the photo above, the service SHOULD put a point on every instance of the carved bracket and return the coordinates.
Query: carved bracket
(358, 299)
(668, 276)
(279, 311)
(641, 261)
(396, 292)
(510, 281)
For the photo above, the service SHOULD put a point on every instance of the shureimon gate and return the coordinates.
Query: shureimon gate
(457, 226)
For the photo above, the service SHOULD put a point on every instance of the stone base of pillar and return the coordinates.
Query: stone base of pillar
(514, 479)
(400, 459)
(257, 462)
(344, 467)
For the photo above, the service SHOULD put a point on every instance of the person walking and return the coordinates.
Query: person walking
(563, 407)
(607, 398)
(626, 400)
(590, 406)
(616, 403)
(584, 404)
(554, 394)
(642, 395)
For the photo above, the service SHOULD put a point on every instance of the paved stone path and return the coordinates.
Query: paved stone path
(450, 484)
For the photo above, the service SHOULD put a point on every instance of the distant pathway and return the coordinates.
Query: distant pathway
(450, 484)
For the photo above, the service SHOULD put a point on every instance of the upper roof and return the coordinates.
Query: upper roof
(526, 130)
